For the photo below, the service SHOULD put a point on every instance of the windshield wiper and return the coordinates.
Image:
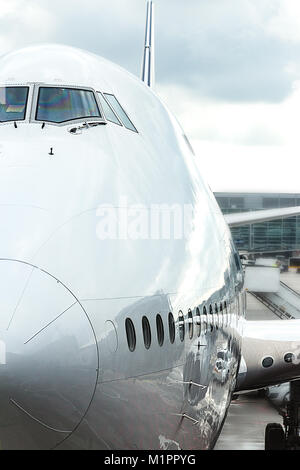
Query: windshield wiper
(85, 125)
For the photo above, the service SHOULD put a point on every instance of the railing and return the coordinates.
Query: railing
(290, 289)
(279, 311)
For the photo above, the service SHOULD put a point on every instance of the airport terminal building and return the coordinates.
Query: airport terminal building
(278, 236)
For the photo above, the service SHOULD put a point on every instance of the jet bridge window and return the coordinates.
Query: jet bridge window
(119, 111)
(65, 104)
(13, 103)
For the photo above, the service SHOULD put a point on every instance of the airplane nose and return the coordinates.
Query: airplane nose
(48, 358)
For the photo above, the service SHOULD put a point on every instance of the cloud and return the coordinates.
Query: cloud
(24, 22)
(232, 122)
(241, 146)
(285, 24)
(229, 70)
(225, 50)
(229, 50)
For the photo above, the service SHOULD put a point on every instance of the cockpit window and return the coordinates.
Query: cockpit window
(65, 104)
(13, 103)
(120, 111)
(108, 112)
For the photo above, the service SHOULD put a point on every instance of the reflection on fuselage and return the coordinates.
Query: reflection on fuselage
(111, 385)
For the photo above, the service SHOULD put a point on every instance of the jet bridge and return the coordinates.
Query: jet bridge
(260, 278)
(263, 282)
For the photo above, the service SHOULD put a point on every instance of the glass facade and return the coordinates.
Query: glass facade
(274, 236)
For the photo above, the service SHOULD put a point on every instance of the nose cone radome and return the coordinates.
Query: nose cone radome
(48, 359)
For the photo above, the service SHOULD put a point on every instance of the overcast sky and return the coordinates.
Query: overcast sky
(228, 69)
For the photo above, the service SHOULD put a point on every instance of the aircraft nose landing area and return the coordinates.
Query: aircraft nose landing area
(48, 359)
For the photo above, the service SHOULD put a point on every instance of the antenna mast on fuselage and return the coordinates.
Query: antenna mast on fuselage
(148, 72)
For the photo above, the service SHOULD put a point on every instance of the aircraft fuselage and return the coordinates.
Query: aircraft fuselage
(86, 254)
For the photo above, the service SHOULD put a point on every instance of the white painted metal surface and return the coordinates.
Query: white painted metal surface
(262, 278)
(71, 378)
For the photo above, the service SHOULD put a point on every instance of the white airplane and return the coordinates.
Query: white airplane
(111, 339)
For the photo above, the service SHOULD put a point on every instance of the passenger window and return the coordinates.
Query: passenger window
(181, 325)
(226, 314)
(130, 333)
(171, 328)
(190, 322)
(120, 111)
(108, 112)
(211, 315)
(216, 316)
(198, 321)
(160, 330)
(205, 319)
(146, 332)
(221, 318)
